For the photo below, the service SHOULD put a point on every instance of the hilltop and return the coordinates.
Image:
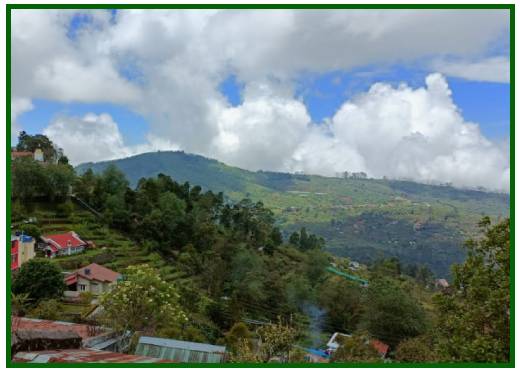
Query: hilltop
(363, 219)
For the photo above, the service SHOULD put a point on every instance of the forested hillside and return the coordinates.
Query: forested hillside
(203, 267)
(364, 219)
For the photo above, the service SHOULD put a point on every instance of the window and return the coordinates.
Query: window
(82, 287)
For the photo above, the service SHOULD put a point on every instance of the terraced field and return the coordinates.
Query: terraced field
(113, 249)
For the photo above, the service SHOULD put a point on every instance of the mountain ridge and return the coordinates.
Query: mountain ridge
(360, 218)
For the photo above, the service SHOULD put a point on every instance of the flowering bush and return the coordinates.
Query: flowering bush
(142, 301)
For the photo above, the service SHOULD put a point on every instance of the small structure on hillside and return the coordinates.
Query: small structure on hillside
(93, 278)
(22, 250)
(180, 351)
(42, 341)
(63, 244)
(441, 284)
(333, 344)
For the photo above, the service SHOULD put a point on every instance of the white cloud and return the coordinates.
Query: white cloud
(181, 57)
(400, 132)
(96, 137)
(90, 138)
(19, 105)
(493, 69)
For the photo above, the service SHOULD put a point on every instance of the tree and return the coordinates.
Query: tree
(30, 143)
(19, 304)
(48, 309)
(235, 337)
(391, 314)
(28, 179)
(31, 230)
(418, 349)
(142, 302)
(356, 348)
(40, 279)
(276, 339)
(343, 302)
(474, 314)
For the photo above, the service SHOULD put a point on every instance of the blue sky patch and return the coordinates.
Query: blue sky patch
(232, 89)
(132, 126)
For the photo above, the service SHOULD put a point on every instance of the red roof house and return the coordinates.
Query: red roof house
(63, 244)
(93, 278)
(381, 347)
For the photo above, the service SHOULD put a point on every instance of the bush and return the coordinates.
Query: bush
(31, 230)
(48, 309)
(86, 297)
(40, 279)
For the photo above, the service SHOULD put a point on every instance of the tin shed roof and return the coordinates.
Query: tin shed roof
(179, 344)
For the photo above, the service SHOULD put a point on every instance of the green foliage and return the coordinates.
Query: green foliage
(391, 314)
(235, 337)
(356, 348)
(370, 217)
(474, 314)
(40, 279)
(31, 180)
(276, 339)
(343, 302)
(19, 304)
(419, 349)
(30, 143)
(142, 302)
(50, 309)
(31, 230)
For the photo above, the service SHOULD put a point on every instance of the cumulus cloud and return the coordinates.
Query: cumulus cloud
(181, 57)
(19, 105)
(96, 137)
(401, 132)
(493, 69)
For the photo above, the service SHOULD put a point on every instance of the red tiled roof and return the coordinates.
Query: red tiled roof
(82, 355)
(381, 347)
(93, 272)
(61, 241)
(85, 331)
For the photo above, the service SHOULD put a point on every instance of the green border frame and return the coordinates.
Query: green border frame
(510, 7)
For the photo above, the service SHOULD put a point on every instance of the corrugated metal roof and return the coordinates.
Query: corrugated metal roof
(180, 351)
(191, 346)
(82, 355)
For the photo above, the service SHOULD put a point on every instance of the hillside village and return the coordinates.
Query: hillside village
(168, 273)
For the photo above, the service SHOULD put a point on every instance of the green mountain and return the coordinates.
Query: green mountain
(363, 219)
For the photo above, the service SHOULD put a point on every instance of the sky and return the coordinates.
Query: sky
(421, 95)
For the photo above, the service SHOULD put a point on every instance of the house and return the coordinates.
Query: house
(93, 278)
(441, 284)
(43, 341)
(63, 244)
(22, 250)
(316, 356)
(14, 255)
(38, 155)
(180, 351)
(20, 154)
(380, 347)
(333, 344)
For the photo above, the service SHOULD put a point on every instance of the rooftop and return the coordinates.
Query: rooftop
(82, 355)
(93, 272)
(179, 344)
(84, 331)
(63, 240)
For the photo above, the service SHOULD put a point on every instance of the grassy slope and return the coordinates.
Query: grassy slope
(362, 219)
